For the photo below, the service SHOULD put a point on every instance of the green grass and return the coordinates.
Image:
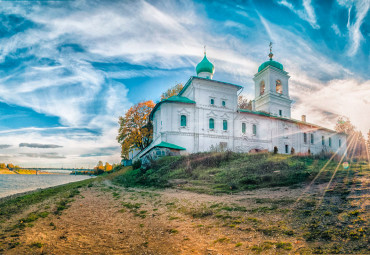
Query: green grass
(228, 171)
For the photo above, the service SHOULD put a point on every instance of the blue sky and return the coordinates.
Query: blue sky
(68, 69)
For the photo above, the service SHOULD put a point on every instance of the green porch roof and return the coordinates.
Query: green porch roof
(169, 146)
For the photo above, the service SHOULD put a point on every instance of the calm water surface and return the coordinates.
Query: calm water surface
(15, 183)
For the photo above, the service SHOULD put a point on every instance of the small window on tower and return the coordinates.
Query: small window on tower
(279, 87)
(262, 88)
(280, 113)
(223, 103)
(212, 101)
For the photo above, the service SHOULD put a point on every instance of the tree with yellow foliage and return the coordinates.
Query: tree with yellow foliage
(135, 131)
(172, 91)
(108, 167)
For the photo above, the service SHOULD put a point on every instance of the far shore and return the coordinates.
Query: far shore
(22, 171)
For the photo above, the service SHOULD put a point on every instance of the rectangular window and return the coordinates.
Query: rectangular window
(183, 121)
(212, 101)
(244, 128)
(280, 113)
(323, 140)
(223, 103)
(312, 139)
(225, 125)
(340, 143)
(254, 129)
(329, 141)
(304, 137)
(286, 148)
(211, 124)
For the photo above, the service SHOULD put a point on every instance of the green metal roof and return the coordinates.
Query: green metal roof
(286, 119)
(200, 78)
(173, 99)
(179, 99)
(205, 66)
(271, 63)
(169, 146)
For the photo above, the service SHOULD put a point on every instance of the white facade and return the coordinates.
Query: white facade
(186, 119)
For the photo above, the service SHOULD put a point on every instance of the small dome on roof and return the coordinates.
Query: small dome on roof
(271, 63)
(205, 66)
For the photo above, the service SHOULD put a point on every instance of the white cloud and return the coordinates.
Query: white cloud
(307, 13)
(355, 35)
(336, 29)
(345, 97)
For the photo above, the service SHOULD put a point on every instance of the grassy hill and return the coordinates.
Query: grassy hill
(227, 171)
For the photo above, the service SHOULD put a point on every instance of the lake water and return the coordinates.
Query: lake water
(16, 183)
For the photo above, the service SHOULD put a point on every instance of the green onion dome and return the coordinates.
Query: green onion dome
(271, 63)
(205, 66)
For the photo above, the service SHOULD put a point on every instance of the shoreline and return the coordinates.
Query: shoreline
(19, 194)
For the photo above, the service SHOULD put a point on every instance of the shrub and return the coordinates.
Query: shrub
(136, 164)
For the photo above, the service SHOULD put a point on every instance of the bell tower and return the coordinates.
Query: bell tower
(272, 89)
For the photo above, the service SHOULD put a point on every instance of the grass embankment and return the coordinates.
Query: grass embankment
(224, 172)
(13, 206)
(21, 171)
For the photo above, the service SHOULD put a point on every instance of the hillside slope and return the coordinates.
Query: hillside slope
(227, 171)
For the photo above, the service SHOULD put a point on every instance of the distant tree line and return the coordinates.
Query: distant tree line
(9, 166)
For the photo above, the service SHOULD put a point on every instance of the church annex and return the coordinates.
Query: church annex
(204, 116)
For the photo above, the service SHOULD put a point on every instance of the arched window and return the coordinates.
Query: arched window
(254, 129)
(262, 88)
(183, 121)
(212, 101)
(279, 87)
(211, 123)
(244, 128)
(224, 125)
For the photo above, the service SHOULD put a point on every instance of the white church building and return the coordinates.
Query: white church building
(204, 116)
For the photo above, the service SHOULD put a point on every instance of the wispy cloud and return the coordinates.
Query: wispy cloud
(38, 145)
(50, 155)
(354, 24)
(336, 29)
(307, 13)
(4, 146)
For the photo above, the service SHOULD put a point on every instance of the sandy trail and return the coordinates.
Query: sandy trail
(109, 219)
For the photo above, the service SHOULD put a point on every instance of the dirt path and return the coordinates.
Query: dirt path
(109, 219)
